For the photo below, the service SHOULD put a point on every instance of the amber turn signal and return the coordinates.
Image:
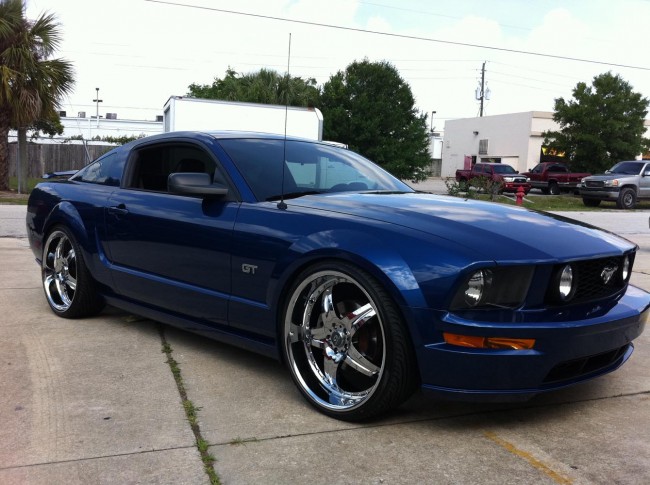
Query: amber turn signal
(489, 342)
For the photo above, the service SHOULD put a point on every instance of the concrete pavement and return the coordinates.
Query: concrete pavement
(93, 401)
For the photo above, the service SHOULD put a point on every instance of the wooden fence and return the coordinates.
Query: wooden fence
(44, 158)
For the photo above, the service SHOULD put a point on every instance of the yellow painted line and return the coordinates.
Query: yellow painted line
(555, 476)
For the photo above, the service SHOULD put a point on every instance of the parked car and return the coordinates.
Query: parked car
(554, 178)
(624, 183)
(309, 253)
(507, 177)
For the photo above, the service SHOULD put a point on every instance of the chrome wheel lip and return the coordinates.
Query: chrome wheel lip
(337, 346)
(59, 271)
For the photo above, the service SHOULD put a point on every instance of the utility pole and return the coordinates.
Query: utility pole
(97, 101)
(482, 88)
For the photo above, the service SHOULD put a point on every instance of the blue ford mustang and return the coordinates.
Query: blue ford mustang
(309, 253)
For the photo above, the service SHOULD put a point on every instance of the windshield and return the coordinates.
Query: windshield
(503, 169)
(627, 168)
(309, 168)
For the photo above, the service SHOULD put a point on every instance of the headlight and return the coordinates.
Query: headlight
(508, 179)
(583, 180)
(563, 284)
(476, 286)
(611, 183)
(625, 273)
(502, 287)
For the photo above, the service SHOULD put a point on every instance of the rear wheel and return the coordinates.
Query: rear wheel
(346, 344)
(69, 288)
(626, 198)
(591, 202)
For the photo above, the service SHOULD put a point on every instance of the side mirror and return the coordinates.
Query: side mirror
(195, 184)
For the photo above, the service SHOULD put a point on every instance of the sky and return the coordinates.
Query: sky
(141, 52)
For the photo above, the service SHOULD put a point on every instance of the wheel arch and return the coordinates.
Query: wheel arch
(66, 214)
(384, 265)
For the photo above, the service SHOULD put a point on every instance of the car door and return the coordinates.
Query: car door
(644, 182)
(167, 250)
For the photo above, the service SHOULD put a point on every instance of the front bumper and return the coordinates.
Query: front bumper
(568, 349)
(602, 193)
(514, 186)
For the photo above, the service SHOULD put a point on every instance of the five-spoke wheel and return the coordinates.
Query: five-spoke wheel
(345, 343)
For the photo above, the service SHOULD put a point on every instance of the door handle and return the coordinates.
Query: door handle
(118, 210)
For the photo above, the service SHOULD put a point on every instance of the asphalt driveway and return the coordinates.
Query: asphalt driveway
(95, 401)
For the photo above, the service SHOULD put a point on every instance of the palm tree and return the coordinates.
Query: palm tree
(31, 84)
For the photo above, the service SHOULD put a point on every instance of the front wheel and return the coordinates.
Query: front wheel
(346, 344)
(626, 198)
(69, 288)
(554, 188)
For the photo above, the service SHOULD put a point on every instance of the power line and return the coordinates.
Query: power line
(400, 36)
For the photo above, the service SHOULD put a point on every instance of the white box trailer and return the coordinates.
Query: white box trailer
(182, 113)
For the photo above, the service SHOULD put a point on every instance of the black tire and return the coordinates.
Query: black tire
(346, 344)
(69, 289)
(591, 202)
(554, 188)
(626, 198)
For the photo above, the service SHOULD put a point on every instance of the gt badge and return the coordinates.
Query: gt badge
(248, 268)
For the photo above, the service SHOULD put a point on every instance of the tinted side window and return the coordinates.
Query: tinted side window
(558, 168)
(105, 171)
(153, 164)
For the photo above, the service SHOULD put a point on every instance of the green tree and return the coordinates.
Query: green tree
(31, 83)
(264, 86)
(371, 108)
(602, 125)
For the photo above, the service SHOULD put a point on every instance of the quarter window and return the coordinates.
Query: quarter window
(107, 170)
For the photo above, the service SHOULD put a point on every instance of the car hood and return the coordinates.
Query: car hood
(497, 231)
(610, 176)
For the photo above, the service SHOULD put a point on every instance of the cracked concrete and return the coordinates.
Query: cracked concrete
(93, 401)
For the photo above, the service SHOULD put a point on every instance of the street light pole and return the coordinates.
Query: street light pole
(97, 101)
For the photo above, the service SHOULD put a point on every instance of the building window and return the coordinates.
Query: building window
(483, 147)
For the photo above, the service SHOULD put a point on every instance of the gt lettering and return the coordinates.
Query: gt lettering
(248, 268)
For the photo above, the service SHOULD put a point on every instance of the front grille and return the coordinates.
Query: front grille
(520, 180)
(584, 366)
(595, 279)
(596, 184)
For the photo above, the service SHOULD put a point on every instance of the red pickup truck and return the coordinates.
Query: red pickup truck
(501, 173)
(553, 178)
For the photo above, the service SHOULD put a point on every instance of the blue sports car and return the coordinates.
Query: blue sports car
(309, 253)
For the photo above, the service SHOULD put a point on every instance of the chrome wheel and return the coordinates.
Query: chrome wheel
(59, 271)
(335, 340)
(345, 343)
(69, 288)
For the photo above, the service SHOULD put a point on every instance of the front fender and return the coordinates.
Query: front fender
(370, 253)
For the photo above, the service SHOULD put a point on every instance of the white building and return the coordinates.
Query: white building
(515, 139)
(92, 129)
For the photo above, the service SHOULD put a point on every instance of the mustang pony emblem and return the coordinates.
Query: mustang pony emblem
(607, 273)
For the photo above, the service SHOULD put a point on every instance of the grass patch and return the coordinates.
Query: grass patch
(191, 412)
(242, 441)
(568, 202)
